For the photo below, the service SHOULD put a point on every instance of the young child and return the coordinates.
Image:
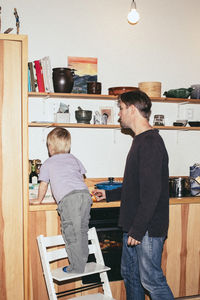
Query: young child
(65, 174)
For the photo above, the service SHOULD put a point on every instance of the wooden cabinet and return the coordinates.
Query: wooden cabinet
(13, 167)
(180, 259)
(47, 222)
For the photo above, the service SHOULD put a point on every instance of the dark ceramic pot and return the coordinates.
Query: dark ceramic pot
(63, 80)
(83, 116)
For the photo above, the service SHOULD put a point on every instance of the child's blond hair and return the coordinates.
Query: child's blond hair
(59, 141)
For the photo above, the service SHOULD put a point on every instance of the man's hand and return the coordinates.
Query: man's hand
(99, 194)
(132, 241)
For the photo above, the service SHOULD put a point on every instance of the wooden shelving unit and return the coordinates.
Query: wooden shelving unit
(106, 97)
(184, 213)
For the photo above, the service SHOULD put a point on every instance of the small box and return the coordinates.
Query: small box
(33, 193)
(62, 118)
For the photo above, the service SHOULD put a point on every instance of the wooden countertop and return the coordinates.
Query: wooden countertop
(103, 204)
(90, 182)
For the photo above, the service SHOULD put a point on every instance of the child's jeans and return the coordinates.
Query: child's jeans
(74, 211)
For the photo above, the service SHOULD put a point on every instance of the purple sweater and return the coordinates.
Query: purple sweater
(65, 174)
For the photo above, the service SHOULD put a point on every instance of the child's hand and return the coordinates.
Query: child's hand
(35, 201)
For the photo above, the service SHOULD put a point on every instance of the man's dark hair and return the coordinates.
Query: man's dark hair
(140, 100)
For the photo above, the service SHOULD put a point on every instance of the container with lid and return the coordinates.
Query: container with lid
(151, 88)
(109, 185)
(195, 94)
(159, 120)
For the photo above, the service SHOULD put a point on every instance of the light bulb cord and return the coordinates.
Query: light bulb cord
(133, 4)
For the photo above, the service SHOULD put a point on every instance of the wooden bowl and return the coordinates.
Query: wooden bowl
(118, 90)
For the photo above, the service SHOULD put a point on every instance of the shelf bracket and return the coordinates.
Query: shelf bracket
(177, 137)
(46, 97)
(179, 104)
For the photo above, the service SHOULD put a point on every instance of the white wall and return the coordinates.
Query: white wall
(164, 46)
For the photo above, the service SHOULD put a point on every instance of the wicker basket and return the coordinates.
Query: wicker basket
(151, 88)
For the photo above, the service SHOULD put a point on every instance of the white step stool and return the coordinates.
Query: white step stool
(59, 275)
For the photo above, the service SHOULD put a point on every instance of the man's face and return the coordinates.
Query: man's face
(125, 115)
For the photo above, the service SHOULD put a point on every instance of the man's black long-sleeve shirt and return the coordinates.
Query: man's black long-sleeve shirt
(145, 190)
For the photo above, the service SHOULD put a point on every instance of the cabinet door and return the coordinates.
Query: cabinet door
(11, 171)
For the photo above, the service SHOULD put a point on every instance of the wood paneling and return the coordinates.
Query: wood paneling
(11, 168)
(2, 250)
(182, 250)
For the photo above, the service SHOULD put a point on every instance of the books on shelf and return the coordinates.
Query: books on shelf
(47, 73)
(29, 81)
(40, 73)
(33, 79)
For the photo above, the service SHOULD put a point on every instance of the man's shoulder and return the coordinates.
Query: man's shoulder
(153, 136)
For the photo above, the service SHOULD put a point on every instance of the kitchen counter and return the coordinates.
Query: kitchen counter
(180, 260)
(103, 204)
(91, 185)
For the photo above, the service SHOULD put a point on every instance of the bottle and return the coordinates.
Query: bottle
(37, 168)
(33, 177)
(37, 163)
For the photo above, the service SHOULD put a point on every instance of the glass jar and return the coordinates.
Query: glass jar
(159, 120)
(195, 94)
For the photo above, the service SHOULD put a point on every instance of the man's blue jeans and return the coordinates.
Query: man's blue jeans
(141, 269)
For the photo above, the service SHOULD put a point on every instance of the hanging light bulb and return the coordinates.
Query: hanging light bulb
(133, 16)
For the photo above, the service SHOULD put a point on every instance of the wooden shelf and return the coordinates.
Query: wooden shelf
(73, 125)
(175, 100)
(107, 97)
(110, 126)
(70, 95)
(186, 128)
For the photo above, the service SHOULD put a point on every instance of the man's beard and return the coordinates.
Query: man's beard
(122, 124)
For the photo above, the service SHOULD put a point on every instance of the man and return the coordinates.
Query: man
(144, 212)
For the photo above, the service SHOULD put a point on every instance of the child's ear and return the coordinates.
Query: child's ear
(50, 150)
